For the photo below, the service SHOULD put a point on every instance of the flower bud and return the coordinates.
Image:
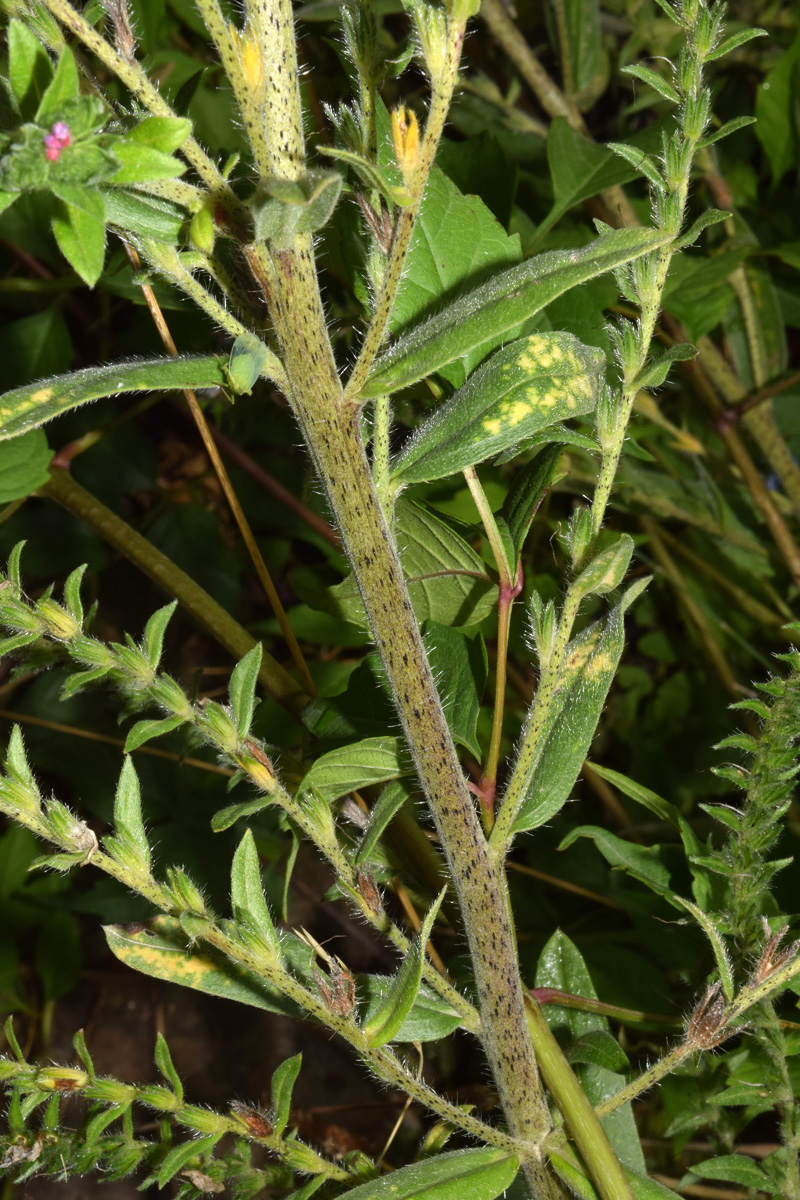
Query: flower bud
(405, 136)
(60, 623)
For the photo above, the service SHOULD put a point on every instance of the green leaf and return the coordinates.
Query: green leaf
(711, 216)
(242, 689)
(145, 216)
(146, 730)
(734, 42)
(526, 493)
(718, 946)
(283, 1081)
(642, 795)
(143, 164)
(27, 407)
(592, 661)
(283, 208)
(460, 665)
(735, 1168)
(154, 632)
(527, 386)
(488, 313)
(653, 80)
(475, 1174)
(247, 895)
(383, 1023)
(128, 823)
(640, 862)
(775, 100)
(29, 68)
(163, 951)
(167, 1068)
(366, 762)
(656, 370)
(373, 176)
(24, 465)
(390, 801)
(641, 163)
(429, 1018)
(181, 1155)
(725, 130)
(80, 230)
(61, 91)
(248, 356)
(581, 46)
(456, 244)
(166, 134)
(579, 168)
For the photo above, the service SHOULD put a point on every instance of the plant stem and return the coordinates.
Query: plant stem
(441, 96)
(381, 428)
(332, 430)
(212, 616)
(580, 1118)
(508, 590)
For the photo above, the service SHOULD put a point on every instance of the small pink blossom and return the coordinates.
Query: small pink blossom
(57, 140)
(61, 133)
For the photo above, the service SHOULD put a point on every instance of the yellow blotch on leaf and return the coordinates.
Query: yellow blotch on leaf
(42, 395)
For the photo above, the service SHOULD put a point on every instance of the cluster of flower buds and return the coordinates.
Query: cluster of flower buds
(57, 140)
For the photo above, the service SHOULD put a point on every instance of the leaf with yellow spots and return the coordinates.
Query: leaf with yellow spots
(163, 951)
(28, 407)
(527, 386)
(591, 665)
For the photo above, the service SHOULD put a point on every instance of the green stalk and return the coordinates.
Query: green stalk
(212, 616)
(443, 83)
(600, 1160)
(331, 426)
(508, 590)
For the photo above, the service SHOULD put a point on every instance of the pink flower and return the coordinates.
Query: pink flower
(56, 140)
(61, 133)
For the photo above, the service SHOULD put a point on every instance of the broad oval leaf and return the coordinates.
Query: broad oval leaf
(500, 305)
(24, 466)
(475, 1174)
(537, 381)
(371, 760)
(27, 407)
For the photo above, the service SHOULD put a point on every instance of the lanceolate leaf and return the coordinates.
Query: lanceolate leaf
(27, 407)
(163, 951)
(474, 1174)
(384, 1023)
(283, 1081)
(500, 305)
(535, 382)
(525, 495)
(247, 895)
(429, 1018)
(591, 667)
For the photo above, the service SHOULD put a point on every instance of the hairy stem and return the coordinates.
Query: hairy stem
(212, 616)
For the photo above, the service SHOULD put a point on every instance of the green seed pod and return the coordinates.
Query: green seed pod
(201, 231)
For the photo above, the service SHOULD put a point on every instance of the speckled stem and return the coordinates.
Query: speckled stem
(332, 430)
